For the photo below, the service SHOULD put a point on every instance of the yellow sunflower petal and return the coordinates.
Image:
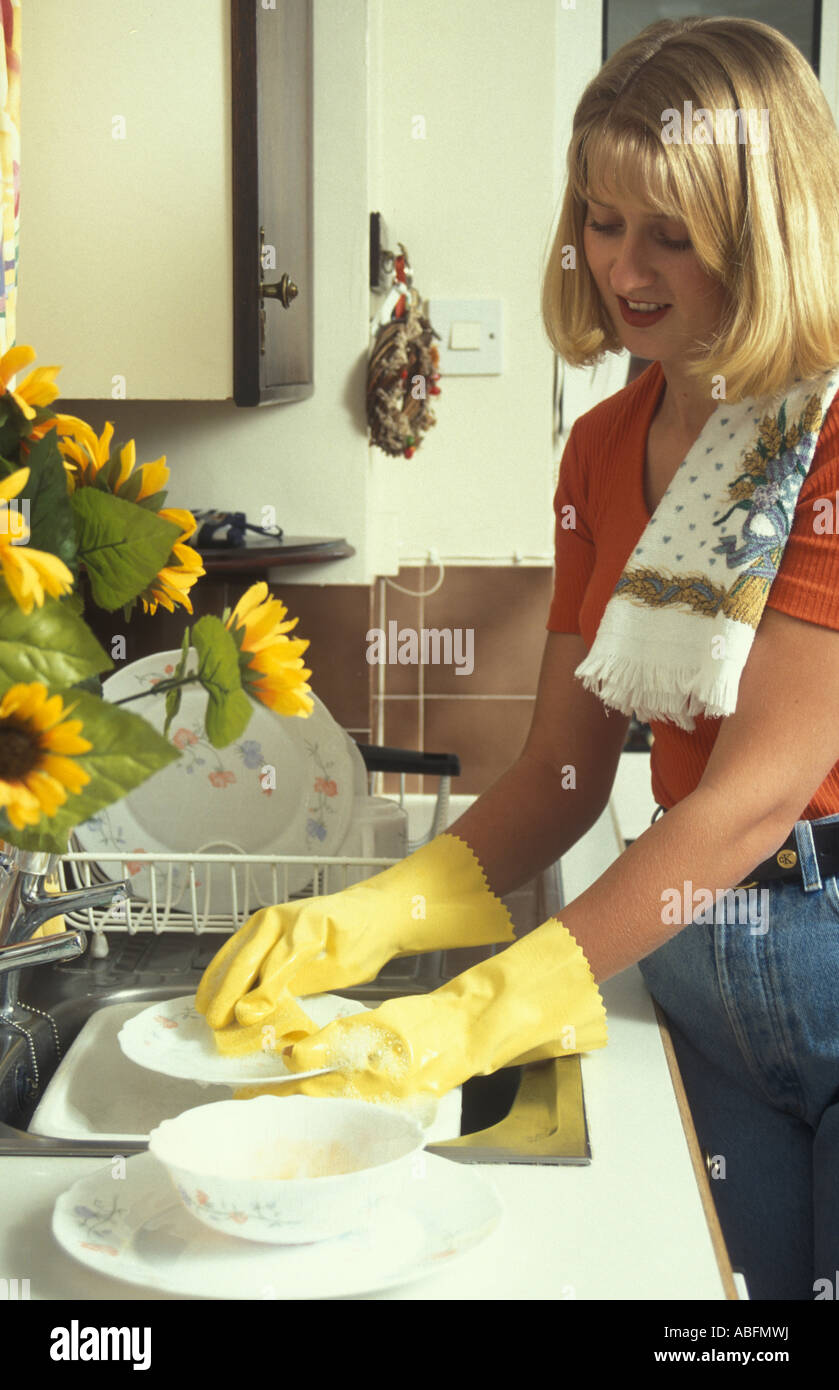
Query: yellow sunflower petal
(30, 574)
(127, 459)
(21, 807)
(12, 361)
(188, 558)
(155, 477)
(250, 599)
(65, 771)
(181, 517)
(20, 578)
(49, 791)
(11, 486)
(39, 387)
(21, 698)
(54, 575)
(277, 658)
(291, 702)
(64, 738)
(22, 404)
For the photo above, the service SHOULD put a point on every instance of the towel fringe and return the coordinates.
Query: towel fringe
(676, 694)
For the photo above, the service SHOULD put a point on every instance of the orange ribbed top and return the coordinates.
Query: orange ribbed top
(602, 477)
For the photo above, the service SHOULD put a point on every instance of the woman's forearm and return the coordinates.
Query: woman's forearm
(628, 912)
(524, 822)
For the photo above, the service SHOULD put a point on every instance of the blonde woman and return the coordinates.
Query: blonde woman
(697, 583)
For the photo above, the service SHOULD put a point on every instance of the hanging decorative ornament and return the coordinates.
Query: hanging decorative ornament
(401, 373)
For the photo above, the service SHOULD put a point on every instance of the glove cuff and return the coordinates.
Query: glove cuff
(438, 898)
(536, 1000)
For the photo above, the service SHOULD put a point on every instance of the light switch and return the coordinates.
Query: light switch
(469, 336)
(465, 337)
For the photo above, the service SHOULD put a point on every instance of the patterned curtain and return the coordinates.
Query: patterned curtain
(9, 168)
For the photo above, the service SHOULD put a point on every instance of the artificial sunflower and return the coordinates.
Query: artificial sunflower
(38, 388)
(37, 743)
(270, 663)
(170, 585)
(28, 573)
(87, 459)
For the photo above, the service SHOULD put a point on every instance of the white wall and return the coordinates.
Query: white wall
(473, 203)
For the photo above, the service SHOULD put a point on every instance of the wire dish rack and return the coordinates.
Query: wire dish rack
(201, 892)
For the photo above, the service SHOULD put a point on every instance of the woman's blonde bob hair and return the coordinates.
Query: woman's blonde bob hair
(764, 222)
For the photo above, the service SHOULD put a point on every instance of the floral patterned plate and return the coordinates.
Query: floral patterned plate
(172, 1037)
(138, 1230)
(285, 787)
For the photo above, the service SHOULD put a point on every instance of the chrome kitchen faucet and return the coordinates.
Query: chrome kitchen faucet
(25, 906)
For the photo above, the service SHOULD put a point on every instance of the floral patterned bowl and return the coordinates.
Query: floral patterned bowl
(288, 1170)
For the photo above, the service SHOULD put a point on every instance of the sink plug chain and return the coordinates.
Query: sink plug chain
(26, 1033)
(50, 1020)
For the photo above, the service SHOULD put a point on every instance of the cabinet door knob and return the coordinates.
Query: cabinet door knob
(285, 290)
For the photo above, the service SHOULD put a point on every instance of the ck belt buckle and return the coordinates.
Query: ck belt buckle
(785, 859)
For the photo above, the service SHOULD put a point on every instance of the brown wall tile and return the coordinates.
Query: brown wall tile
(487, 736)
(406, 611)
(335, 619)
(402, 729)
(507, 609)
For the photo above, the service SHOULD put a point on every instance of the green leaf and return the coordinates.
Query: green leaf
(51, 523)
(126, 751)
(173, 697)
(122, 546)
(154, 501)
(108, 474)
(74, 603)
(228, 708)
(173, 704)
(53, 644)
(13, 425)
(131, 486)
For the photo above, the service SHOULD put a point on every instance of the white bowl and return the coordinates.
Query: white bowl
(288, 1170)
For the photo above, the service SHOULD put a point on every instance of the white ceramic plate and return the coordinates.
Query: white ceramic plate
(220, 800)
(138, 1230)
(172, 1037)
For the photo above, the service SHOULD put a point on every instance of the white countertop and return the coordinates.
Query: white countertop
(628, 1226)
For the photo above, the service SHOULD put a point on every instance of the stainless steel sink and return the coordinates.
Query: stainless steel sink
(547, 1124)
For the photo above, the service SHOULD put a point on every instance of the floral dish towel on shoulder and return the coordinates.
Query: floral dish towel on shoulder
(679, 626)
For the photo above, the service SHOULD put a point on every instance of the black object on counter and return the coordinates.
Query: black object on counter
(380, 759)
(237, 524)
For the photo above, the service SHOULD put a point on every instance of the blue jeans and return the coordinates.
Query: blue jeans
(754, 1017)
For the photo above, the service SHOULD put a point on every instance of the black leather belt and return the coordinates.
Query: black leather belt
(785, 863)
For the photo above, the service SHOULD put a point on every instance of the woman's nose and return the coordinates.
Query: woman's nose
(631, 266)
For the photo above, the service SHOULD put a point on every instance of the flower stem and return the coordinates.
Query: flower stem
(160, 687)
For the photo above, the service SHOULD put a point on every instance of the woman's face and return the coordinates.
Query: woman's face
(638, 256)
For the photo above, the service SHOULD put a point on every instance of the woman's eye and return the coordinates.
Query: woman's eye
(609, 228)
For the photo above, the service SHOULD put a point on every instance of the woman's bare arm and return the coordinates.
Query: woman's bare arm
(769, 759)
(559, 785)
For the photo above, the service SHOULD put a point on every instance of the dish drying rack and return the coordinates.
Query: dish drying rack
(217, 892)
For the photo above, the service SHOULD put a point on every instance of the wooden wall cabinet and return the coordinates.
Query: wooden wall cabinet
(272, 201)
(159, 144)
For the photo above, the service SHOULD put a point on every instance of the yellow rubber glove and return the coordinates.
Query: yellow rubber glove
(55, 924)
(286, 1023)
(537, 999)
(50, 928)
(436, 898)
